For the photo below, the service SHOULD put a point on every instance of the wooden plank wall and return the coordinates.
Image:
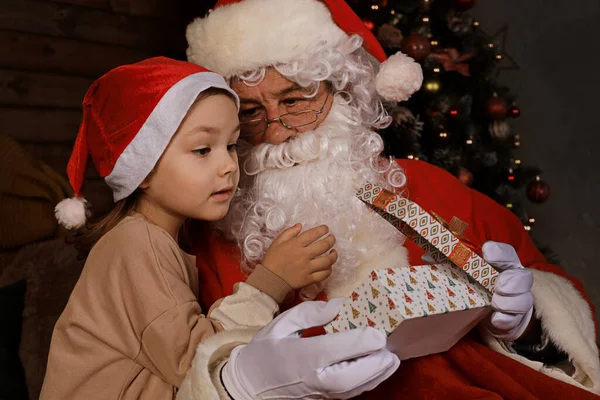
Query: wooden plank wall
(51, 51)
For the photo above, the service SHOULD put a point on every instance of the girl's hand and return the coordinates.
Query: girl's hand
(301, 259)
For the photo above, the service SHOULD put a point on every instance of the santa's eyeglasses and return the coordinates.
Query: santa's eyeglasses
(297, 119)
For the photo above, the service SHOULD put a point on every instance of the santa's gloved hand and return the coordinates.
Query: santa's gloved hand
(512, 300)
(279, 364)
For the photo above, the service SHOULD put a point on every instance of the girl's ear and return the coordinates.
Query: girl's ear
(145, 183)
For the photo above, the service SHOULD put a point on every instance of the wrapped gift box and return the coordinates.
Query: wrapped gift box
(423, 309)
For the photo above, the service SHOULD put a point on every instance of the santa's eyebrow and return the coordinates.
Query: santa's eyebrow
(249, 101)
(294, 88)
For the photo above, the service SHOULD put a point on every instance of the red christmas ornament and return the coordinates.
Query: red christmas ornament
(538, 191)
(497, 107)
(416, 46)
(463, 5)
(515, 111)
(465, 176)
(452, 60)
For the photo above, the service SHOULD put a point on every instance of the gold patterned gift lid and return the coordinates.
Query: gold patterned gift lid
(442, 241)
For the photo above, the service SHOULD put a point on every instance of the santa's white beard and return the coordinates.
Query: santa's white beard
(313, 179)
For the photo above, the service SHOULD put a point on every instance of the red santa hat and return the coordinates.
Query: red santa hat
(242, 35)
(129, 117)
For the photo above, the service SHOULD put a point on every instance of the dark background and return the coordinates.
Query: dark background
(556, 46)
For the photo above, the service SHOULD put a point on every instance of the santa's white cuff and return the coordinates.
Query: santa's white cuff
(567, 320)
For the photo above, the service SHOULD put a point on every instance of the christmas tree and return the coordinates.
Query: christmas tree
(462, 119)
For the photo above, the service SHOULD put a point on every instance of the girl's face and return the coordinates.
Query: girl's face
(198, 173)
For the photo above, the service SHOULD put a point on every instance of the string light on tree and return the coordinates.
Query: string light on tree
(517, 142)
(511, 175)
(529, 225)
(432, 85)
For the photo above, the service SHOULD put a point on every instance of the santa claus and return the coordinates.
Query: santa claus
(313, 82)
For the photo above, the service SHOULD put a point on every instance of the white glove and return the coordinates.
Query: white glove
(279, 364)
(512, 300)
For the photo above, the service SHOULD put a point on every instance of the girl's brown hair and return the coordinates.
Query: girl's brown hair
(86, 237)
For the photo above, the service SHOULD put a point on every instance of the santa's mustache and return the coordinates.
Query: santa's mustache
(337, 137)
(300, 148)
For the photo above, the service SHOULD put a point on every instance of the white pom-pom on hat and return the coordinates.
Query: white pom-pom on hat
(398, 78)
(72, 212)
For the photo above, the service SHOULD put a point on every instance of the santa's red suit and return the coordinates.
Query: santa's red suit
(475, 368)
(242, 36)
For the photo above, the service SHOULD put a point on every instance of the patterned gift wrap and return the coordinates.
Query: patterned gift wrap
(407, 303)
(440, 240)
(391, 296)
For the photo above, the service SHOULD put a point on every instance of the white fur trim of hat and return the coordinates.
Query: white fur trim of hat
(240, 36)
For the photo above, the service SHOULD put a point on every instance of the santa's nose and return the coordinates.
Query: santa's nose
(276, 133)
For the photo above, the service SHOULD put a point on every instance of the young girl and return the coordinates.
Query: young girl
(163, 135)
